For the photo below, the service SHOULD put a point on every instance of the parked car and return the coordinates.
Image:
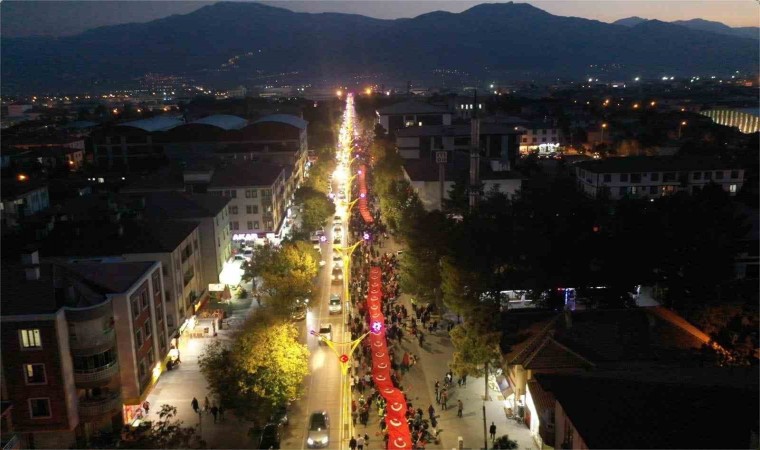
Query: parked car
(337, 274)
(319, 430)
(299, 313)
(337, 220)
(248, 254)
(270, 436)
(334, 307)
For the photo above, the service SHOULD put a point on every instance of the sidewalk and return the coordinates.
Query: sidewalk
(178, 387)
(419, 383)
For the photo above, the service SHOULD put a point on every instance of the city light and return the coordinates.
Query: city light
(368, 91)
(22, 177)
(339, 93)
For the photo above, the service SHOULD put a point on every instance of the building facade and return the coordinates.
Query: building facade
(655, 176)
(412, 114)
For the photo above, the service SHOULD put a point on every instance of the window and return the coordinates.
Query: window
(266, 192)
(235, 225)
(250, 224)
(138, 338)
(607, 177)
(143, 370)
(159, 313)
(162, 342)
(734, 174)
(718, 174)
(30, 339)
(268, 209)
(34, 374)
(254, 193)
(151, 357)
(233, 209)
(248, 209)
(247, 193)
(233, 193)
(635, 178)
(624, 177)
(543, 139)
(669, 176)
(732, 188)
(623, 190)
(525, 140)
(543, 131)
(653, 190)
(255, 224)
(144, 300)
(535, 140)
(39, 408)
(708, 175)
(654, 176)
(135, 304)
(146, 327)
(697, 175)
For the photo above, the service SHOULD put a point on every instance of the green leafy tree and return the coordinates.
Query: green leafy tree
(504, 442)
(289, 276)
(317, 208)
(166, 432)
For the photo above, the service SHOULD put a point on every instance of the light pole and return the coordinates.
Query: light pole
(604, 125)
(680, 127)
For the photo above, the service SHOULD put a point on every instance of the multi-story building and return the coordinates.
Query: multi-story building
(257, 193)
(176, 244)
(210, 211)
(655, 176)
(131, 145)
(497, 141)
(22, 198)
(542, 136)
(412, 114)
(82, 345)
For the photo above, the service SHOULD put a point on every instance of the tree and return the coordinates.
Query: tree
(316, 208)
(289, 276)
(504, 442)
(474, 349)
(163, 433)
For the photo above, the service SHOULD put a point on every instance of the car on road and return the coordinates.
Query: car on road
(337, 274)
(319, 430)
(248, 254)
(337, 230)
(270, 436)
(337, 220)
(334, 307)
(337, 261)
(299, 313)
(337, 239)
(238, 258)
(325, 332)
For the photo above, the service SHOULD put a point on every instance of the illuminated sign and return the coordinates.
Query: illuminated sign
(244, 237)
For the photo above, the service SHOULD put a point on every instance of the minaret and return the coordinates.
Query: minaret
(474, 154)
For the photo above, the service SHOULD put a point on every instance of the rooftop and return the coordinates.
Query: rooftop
(29, 297)
(654, 164)
(457, 130)
(618, 413)
(412, 107)
(12, 189)
(158, 123)
(180, 205)
(95, 239)
(226, 174)
(223, 121)
(246, 173)
(287, 119)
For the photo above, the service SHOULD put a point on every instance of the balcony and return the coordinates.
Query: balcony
(93, 343)
(98, 374)
(93, 407)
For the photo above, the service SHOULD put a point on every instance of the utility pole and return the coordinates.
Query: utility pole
(440, 158)
(474, 154)
(485, 435)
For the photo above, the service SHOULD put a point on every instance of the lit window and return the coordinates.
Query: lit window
(34, 373)
(31, 338)
(732, 188)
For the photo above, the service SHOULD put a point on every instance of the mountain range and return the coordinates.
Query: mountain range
(701, 25)
(240, 40)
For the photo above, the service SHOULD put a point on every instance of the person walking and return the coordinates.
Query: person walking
(444, 399)
(352, 443)
(206, 404)
(460, 407)
(221, 412)
(431, 411)
(195, 405)
(360, 443)
(492, 430)
(354, 416)
(214, 412)
(437, 392)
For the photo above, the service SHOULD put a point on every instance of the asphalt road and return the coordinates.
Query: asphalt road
(323, 386)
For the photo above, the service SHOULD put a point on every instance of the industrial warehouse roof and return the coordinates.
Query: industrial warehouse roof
(159, 123)
(412, 107)
(654, 164)
(223, 121)
(287, 119)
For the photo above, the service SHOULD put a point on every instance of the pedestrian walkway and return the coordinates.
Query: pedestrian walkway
(178, 387)
(432, 365)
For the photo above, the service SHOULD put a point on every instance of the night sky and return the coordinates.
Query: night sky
(22, 18)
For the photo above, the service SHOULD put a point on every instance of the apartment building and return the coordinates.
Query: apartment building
(545, 137)
(655, 176)
(497, 141)
(22, 198)
(212, 214)
(412, 113)
(82, 345)
(256, 191)
(174, 243)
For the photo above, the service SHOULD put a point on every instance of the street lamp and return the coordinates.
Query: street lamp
(680, 127)
(604, 125)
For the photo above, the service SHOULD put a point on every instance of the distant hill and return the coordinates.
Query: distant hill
(238, 40)
(701, 25)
